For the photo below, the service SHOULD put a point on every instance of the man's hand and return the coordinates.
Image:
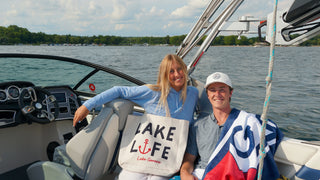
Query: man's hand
(187, 167)
(187, 176)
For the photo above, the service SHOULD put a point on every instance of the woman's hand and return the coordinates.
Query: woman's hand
(80, 114)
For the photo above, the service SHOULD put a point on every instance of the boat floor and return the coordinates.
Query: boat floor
(20, 173)
(15, 174)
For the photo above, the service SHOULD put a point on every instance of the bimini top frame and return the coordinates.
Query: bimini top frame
(296, 24)
(292, 20)
(203, 27)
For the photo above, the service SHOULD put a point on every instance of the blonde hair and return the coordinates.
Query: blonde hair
(163, 83)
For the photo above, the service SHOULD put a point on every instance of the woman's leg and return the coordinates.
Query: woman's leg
(128, 175)
(154, 177)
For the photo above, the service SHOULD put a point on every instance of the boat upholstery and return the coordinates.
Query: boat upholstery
(90, 152)
(298, 160)
(204, 106)
(60, 155)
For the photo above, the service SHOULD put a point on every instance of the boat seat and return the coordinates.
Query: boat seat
(204, 106)
(92, 151)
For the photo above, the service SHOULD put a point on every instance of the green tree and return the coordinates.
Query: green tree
(15, 35)
(75, 40)
(57, 39)
(230, 40)
(219, 40)
(176, 40)
(242, 41)
(167, 39)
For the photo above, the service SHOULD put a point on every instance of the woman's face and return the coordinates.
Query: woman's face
(176, 76)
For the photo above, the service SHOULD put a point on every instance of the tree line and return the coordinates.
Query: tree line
(13, 35)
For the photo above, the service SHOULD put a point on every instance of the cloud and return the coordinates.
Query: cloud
(116, 17)
(151, 14)
(189, 10)
(119, 10)
(260, 8)
(119, 26)
(12, 12)
(184, 16)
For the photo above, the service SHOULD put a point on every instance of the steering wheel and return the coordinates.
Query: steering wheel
(39, 108)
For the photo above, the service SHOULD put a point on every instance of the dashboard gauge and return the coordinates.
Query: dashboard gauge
(3, 96)
(13, 92)
(26, 95)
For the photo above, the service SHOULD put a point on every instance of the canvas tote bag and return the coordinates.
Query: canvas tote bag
(153, 144)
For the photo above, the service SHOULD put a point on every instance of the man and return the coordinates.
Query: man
(225, 144)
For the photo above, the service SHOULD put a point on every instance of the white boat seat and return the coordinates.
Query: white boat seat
(89, 152)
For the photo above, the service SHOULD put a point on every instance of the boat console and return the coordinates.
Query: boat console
(16, 97)
(67, 100)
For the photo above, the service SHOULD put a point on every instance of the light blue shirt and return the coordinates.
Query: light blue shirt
(149, 99)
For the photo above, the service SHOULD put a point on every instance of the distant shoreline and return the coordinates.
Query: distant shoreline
(96, 45)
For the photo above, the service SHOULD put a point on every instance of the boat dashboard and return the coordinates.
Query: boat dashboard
(19, 98)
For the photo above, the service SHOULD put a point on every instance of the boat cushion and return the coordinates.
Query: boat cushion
(49, 171)
(90, 153)
(81, 146)
(91, 156)
(122, 108)
(60, 155)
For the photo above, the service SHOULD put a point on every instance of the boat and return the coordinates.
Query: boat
(37, 106)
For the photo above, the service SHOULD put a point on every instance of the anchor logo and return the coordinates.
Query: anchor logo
(144, 149)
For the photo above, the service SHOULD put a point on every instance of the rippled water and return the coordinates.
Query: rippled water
(295, 94)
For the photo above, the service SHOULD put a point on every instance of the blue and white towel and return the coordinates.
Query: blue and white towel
(236, 155)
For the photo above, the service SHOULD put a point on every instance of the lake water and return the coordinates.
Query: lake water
(295, 97)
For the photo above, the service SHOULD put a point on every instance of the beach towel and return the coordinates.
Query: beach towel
(236, 155)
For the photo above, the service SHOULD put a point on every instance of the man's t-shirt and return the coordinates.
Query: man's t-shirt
(202, 140)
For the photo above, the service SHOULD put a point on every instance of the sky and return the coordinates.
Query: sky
(157, 18)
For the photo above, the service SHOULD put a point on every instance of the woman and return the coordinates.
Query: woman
(166, 98)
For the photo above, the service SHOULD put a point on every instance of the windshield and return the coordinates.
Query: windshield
(48, 72)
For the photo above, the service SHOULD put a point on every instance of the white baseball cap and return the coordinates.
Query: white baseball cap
(218, 77)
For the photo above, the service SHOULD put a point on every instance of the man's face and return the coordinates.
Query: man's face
(219, 95)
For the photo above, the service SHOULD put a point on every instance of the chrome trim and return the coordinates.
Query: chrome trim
(8, 94)
(27, 109)
(1, 90)
(32, 94)
(27, 96)
(12, 120)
